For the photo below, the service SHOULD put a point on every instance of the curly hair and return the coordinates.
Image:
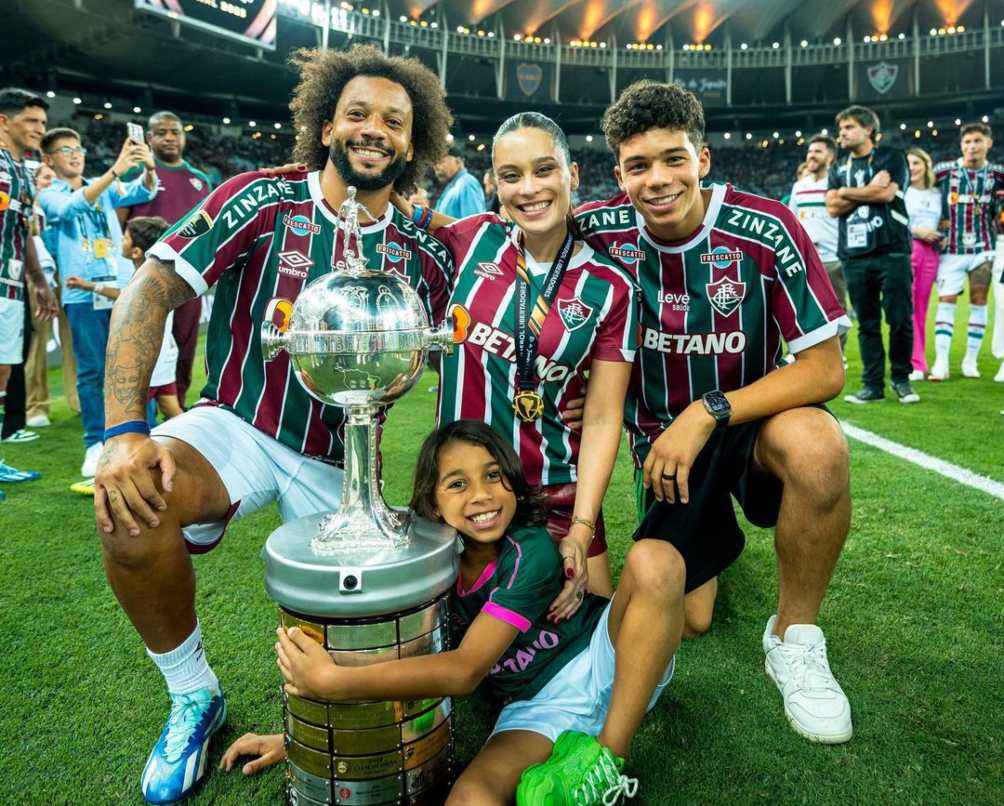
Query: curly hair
(649, 105)
(323, 76)
(531, 505)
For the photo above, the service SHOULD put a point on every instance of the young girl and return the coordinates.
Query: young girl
(537, 309)
(590, 679)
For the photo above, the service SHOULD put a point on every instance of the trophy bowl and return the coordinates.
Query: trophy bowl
(356, 338)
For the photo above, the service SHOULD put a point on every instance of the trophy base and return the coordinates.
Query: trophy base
(371, 579)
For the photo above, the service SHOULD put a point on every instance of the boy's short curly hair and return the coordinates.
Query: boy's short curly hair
(323, 76)
(649, 105)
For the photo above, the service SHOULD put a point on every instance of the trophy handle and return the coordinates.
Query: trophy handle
(273, 341)
(442, 337)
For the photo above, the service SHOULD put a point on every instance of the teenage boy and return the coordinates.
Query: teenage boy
(725, 278)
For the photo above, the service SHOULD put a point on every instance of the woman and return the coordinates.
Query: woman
(536, 309)
(923, 205)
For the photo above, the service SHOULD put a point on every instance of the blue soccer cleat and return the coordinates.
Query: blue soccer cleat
(12, 474)
(178, 760)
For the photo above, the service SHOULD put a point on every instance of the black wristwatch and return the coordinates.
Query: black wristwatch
(717, 405)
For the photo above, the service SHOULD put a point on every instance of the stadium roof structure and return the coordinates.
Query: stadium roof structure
(95, 47)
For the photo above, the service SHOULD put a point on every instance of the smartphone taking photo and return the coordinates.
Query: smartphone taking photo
(135, 132)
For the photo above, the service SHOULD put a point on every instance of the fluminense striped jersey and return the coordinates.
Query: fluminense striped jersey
(593, 316)
(716, 307)
(261, 240)
(16, 198)
(970, 199)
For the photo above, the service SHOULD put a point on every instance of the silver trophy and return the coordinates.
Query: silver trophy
(369, 581)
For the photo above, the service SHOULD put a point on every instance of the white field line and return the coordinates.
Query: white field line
(926, 461)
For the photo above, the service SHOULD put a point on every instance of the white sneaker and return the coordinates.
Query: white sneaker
(969, 368)
(38, 421)
(91, 456)
(814, 703)
(999, 377)
(939, 372)
(915, 376)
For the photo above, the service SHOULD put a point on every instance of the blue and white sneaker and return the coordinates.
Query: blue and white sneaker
(178, 760)
(12, 474)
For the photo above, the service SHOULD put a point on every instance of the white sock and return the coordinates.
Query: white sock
(977, 327)
(185, 667)
(944, 327)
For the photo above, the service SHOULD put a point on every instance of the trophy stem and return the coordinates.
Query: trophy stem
(362, 505)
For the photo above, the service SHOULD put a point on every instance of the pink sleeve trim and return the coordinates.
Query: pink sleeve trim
(508, 616)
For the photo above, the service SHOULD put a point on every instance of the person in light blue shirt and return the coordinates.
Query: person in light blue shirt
(84, 236)
(463, 195)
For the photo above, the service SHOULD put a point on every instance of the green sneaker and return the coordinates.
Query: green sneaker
(580, 772)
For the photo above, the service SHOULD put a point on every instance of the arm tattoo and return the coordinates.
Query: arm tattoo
(135, 336)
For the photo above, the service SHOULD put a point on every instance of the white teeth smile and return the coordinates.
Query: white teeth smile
(484, 517)
(368, 152)
(535, 207)
(665, 199)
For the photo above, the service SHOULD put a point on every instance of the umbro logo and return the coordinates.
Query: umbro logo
(294, 264)
(489, 271)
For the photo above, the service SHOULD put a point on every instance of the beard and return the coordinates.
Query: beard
(338, 156)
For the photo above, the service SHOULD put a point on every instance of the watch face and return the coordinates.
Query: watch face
(717, 404)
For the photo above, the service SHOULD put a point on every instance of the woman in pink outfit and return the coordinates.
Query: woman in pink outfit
(923, 204)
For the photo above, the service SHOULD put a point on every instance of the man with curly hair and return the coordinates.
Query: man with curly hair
(256, 436)
(726, 277)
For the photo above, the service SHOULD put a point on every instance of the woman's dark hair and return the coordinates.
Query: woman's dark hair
(531, 507)
(535, 120)
(323, 76)
(647, 105)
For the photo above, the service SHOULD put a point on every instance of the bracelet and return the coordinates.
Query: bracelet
(98, 288)
(590, 524)
(128, 427)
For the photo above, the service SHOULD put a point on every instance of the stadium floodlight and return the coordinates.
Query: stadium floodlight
(985, 118)
(743, 46)
(902, 127)
(277, 125)
(50, 94)
(867, 39)
(804, 43)
(136, 110)
(916, 134)
(951, 29)
(798, 132)
(934, 132)
(749, 136)
(727, 135)
(775, 135)
(958, 121)
(108, 104)
(471, 137)
(589, 138)
(435, 25)
(252, 124)
(402, 18)
(934, 31)
(226, 121)
(961, 29)
(824, 132)
(77, 101)
(775, 45)
(901, 35)
(837, 40)
(930, 124)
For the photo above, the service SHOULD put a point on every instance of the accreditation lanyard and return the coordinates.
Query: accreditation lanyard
(528, 404)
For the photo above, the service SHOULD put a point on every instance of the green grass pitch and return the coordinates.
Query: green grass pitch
(914, 620)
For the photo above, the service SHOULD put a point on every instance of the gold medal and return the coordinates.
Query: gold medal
(528, 405)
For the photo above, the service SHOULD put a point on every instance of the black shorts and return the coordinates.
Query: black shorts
(705, 530)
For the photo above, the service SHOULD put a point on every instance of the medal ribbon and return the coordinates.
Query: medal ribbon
(527, 327)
